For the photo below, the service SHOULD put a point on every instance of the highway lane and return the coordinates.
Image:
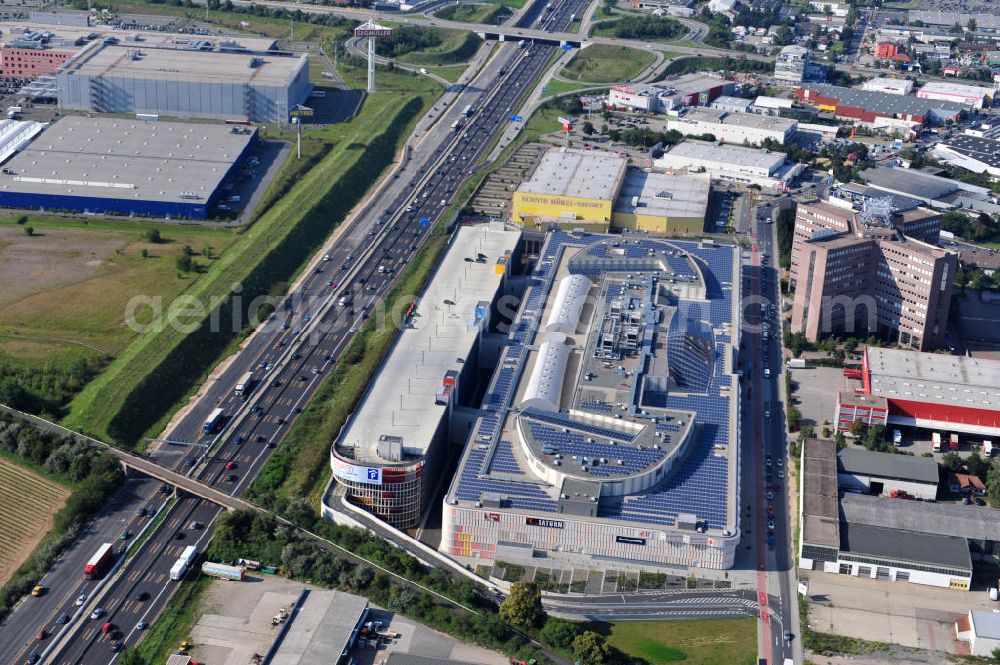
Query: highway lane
(285, 385)
(262, 348)
(523, 29)
(65, 579)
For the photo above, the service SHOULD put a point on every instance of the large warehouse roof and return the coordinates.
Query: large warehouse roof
(125, 159)
(577, 173)
(670, 196)
(956, 89)
(133, 61)
(908, 546)
(882, 102)
(923, 186)
(728, 154)
(945, 519)
(933, 377)
(931, 17)
(985, 151)
(887, 465)
(820, 518)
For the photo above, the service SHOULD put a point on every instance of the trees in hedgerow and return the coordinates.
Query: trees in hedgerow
(523, 607)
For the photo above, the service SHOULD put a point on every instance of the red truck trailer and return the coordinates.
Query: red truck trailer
(102, 557)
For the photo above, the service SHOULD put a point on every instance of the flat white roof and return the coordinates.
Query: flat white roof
(580, 173)
(985, 623)
(934, 377)
(727, 154)
(665, 195)
(185, 65)
(766, 102)
(63, 37)
(949, 88)
(736, 119)
(124, 158)
(400, 400)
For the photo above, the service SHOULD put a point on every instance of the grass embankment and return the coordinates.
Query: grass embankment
(469, 13)
(713, 64)
(695, 642)
(649, 28)
(456, 47)
(300, 466)
(429, 46)
(556, 87)
(137, 391)
(602, 63)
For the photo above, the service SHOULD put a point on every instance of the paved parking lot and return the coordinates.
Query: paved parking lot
(418, 639)
(910, 615)
(815, 391)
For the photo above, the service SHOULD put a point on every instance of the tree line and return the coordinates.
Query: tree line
(44, 389)
(94, 475)
(249, 535)
(646, 27)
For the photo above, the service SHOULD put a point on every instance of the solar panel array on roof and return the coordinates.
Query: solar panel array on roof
(698, 483)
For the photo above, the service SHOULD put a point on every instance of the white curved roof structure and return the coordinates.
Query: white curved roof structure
(568, 305)
(545, 383)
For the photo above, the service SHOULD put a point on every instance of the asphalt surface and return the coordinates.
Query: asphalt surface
(769, 505)
(65, 579)
(288, 355)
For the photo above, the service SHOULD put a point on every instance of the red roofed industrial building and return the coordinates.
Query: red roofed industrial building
(885, 50)
(930, 391)
(878, 110)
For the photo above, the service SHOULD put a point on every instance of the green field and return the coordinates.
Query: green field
(693, 642)
(556, 87)
(120, 404)
(469, 13)
(648, 28)
(602, 63)
(29, 504)
(450, 73)
(456, 47)
(84, 274)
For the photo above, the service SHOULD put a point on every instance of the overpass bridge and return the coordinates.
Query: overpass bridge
(535, 36)
(144, 465)
(503, 33)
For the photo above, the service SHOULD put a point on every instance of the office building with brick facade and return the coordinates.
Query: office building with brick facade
(852, 278)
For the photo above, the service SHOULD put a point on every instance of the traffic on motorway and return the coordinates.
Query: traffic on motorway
(226, 438)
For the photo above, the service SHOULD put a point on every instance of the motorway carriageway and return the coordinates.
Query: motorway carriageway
(299, 355)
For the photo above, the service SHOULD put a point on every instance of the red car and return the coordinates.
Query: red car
(230, 465)
(41, 635)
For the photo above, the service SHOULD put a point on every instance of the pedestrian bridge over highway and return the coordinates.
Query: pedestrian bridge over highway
(144, 465)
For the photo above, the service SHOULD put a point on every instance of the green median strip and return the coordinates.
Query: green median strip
(151, 529)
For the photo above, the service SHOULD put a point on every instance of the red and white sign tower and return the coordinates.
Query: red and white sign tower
(370, 30)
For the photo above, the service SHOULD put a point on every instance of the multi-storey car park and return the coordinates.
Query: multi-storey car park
(390, 455)
(610, 428)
